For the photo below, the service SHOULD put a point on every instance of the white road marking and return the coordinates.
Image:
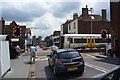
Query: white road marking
(96, 67)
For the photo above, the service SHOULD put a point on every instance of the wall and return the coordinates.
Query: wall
(73, 27)
(4, 56)
(85, 27)
(115, 25)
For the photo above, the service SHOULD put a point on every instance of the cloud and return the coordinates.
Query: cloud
(64, 8)
(21, 13)
(102, 5)
(46, 24)
(44, 17)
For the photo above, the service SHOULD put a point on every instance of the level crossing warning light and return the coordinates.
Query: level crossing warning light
(16, 31)
(103, 33)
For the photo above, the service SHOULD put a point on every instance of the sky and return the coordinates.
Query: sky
(46, 16)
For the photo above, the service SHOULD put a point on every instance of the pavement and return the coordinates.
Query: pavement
(19, 68)
(100, 55)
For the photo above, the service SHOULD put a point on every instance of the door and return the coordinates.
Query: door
(91, 42)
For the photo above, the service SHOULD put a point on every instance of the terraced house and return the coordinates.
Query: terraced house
(82, 24)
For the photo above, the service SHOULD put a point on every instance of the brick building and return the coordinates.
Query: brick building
(53, 39)
(56, 33)
(83, 23)
(11, 30)
(36, 41)
(56, 38)
(115, 24)
(64, 27)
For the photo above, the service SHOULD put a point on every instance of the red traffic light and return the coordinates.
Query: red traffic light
(14, 30)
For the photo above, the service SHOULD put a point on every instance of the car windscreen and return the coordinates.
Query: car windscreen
(67, 55)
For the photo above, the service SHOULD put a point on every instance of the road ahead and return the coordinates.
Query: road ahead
(93, 66)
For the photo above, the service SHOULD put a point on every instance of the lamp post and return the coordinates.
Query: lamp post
(91, 10)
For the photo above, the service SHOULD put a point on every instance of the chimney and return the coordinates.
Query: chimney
(75, 16)
(85, 14)
(103, 14)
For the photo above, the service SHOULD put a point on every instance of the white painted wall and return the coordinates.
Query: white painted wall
(4, 56)
(73, 27)
(61, 32)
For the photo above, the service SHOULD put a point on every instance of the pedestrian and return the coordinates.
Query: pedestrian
(12, 51)
(114, 51)
(17, 50)
(110, 53)
(32, 53)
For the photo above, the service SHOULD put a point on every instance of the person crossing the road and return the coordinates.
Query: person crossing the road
(32, 53)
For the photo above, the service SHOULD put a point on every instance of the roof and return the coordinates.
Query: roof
(96, 17)
(13, 23)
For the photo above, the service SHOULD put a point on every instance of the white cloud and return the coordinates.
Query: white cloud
(46, 16)
(57, 0)
(46, 24)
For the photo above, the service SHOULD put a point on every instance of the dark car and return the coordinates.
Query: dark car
(113, 74)
(66, 60)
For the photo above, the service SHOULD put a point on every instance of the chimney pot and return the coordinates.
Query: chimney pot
(85, 14)
(103, 14)
(75, 16)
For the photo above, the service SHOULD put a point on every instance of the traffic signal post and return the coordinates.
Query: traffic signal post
(104, 36)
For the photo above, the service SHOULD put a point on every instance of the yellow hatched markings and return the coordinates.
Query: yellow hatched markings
(89, 55)
(41, 58)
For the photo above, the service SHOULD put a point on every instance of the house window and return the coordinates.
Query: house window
(76, 40)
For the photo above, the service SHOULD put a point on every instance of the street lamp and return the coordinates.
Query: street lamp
(91, 10)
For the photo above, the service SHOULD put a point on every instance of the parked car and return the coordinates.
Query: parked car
(113, 74)
(66, 60)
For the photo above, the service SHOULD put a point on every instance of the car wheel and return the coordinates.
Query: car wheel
(81, 72)
(54, 71)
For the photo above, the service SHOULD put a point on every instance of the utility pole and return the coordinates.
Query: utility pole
(91, 10)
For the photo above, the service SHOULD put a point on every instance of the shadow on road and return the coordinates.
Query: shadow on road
(110, 60)
(62, 76)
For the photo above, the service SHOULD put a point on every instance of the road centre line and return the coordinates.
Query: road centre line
(96, 67)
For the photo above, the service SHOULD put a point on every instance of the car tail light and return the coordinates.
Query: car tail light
(81, 60)
(74, 49)
(58, 62)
